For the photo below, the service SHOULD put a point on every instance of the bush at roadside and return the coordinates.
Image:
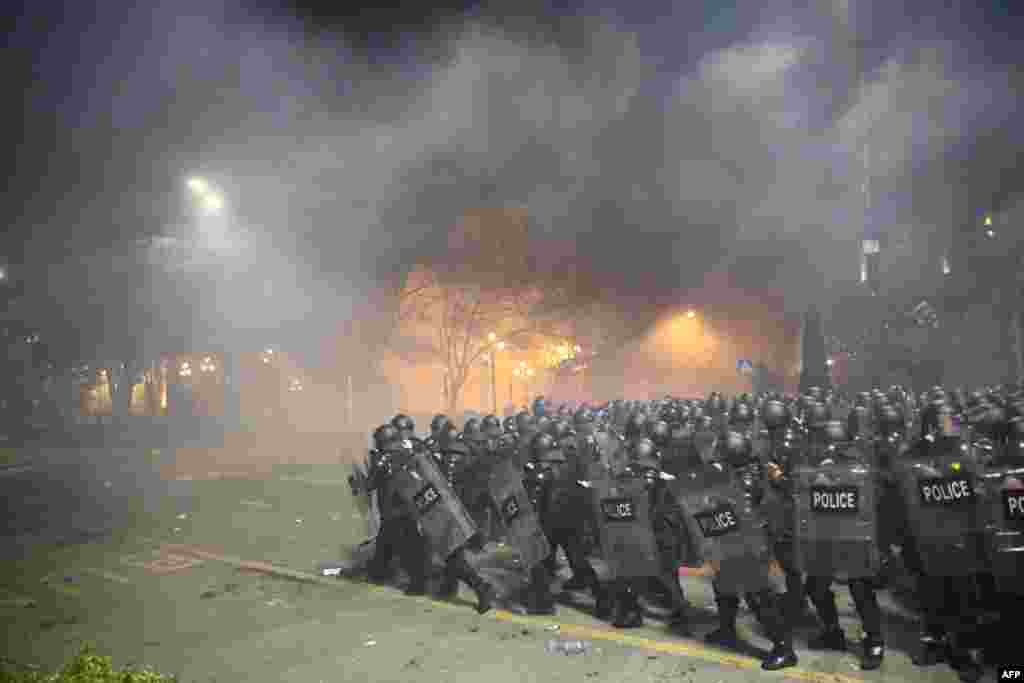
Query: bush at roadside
(87, 667)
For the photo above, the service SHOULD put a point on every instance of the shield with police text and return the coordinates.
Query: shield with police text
(943, 509)
(443, 518)
(1003, 503)
(836, 520)
(518, 516)
(622, 509)
(729, 529)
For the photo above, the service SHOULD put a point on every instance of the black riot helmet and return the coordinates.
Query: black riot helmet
(658, 431)
(524, 422)
(741, 414)
(891, 420)
(637, 425)
(738, 449)
(696, 412)
(404, 424)
(491, 427)
(817, 415)
(438, 424)
(775, 414)
(561, 429)
(509, 424)
(679, 431)
(544, 424)
(541, 445)
(835, 431)
(471, 430)
(583, 416)
(385, 436)
(644, 454)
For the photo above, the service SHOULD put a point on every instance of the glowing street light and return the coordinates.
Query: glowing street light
(501, 346)
(492, 337)
(988, 221)
(198, 186)
(830, 362)
(213, 203)
(691, 314)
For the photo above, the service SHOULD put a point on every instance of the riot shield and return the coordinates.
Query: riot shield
(836, 514)
(443, 518)
(731, 531)
(366, 501)
(623, 516)
(939, 489)
(1003, 509)
(518, 516)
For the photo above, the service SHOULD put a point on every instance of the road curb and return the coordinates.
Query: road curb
(685, 649)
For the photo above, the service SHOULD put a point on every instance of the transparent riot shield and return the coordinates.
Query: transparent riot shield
(1003, 509)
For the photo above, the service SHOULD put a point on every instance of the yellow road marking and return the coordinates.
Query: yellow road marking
(110, 576)
(679, 648)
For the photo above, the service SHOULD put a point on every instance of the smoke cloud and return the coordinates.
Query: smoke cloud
(340, 169)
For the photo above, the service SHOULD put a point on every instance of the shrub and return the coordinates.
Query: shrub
(87, 667)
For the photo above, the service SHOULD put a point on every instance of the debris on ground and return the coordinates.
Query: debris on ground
(206, 595)
(183, 515)
(568, 647)
(370, 643)
(552, 627)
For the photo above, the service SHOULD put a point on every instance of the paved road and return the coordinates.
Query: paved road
(143, 601)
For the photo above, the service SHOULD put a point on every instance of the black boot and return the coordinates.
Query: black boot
(485, 593)
(782, 656)
(449, 587)
(933, 649)
(966, 662)
(832, 638)
(874, 652)
(417, 587)
(579, 581)
(604, 604)
(679, 623)
(539, 600)
(627, 612)
(725, 635)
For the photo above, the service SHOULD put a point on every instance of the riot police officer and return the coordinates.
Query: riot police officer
(862, 589)
(763, 600)
(398, 533)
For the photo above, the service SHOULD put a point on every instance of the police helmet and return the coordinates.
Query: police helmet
(509, 424)
(835, 431)
(491, 426)
(524, 422)
(658, 431)
(775, 414)
(637, 425)
(644, 453)
(438, 423)
(541, 445)
(403, 423)
(471, 429)
(737, 449)
(384, 436)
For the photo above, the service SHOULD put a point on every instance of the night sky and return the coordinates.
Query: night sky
(732, 149)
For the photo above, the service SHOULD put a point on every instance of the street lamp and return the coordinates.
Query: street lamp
(691, 314)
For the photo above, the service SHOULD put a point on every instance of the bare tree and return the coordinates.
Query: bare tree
(449, 321)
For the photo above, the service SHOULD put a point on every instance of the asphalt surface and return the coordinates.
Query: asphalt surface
(162, 574)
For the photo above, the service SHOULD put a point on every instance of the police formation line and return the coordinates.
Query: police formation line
(742, 491)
